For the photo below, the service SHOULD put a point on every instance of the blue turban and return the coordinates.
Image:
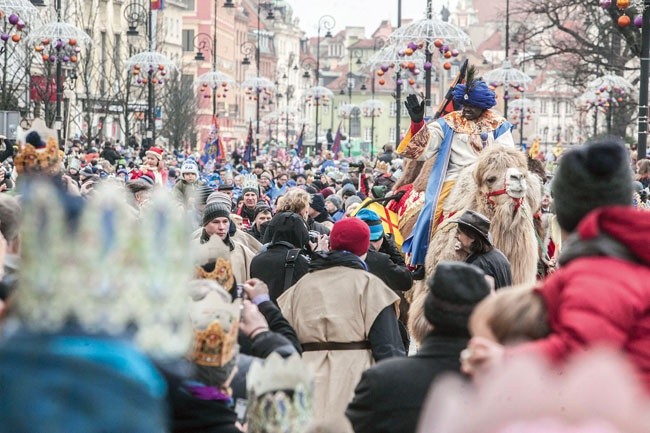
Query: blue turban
(479, 95)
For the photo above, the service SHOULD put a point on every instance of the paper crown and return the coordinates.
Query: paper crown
(213, 263)
(382, 167)
(215, 320)
(38, 150)
(250, 183)
(107, 273)
(280, 395)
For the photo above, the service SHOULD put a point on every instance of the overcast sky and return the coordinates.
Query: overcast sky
(367, 13)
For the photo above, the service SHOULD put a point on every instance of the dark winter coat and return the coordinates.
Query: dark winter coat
(494, 264)
(193, 415)
(111, 155)
(390, 395)
(397, 278)
(270, 267)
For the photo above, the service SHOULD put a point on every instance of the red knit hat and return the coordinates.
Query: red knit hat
(156, 152)
(350, 234)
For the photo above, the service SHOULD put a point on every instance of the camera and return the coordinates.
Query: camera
(313, 236)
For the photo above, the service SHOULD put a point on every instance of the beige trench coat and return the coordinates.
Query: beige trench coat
(340, 305)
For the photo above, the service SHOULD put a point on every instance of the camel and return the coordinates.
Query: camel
(499, 186)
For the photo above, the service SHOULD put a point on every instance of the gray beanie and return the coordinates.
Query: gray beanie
(352, 199)
(591, 176)
(219, 197)
(347, 189)
(335, 200)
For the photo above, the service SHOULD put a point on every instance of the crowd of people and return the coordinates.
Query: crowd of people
(147, 289)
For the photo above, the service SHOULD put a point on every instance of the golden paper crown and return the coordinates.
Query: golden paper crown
(280, 395)
(46, 159)
(217, 252)
(215, 320)
(382, 167)
(110, 273)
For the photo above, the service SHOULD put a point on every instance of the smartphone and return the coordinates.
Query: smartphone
(239, 291)
(241, 406)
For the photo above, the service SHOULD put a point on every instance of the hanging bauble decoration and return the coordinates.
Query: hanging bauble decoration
(624, 21)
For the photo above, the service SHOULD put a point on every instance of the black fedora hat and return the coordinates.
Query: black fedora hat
(477, 223)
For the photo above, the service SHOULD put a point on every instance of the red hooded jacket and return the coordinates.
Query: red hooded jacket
(601, 294)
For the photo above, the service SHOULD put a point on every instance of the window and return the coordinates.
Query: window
(102, 61)
(569, 108)
(190, 5)
(355, 122)
(391, 133)
(117, 52)
(543, 109)
(393, 110)
(556, 108)
(367, 134)
(188, 40)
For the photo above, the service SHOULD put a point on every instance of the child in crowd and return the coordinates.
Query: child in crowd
(510, 316)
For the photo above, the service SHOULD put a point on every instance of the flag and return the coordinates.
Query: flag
(219, 152)
(336, 146)
(156, 5)
(533, 152)
(300, 140)
(248, 152)
(445, 107)
(212, 143)
(388, 219)
(209, 150)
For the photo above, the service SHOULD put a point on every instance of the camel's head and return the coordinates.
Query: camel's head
(516, 186)
(501, 175)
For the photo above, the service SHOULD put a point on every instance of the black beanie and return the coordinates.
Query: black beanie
(261, 207)
(454, 290)
(588, 177)
(287, 227)
(318, 203)
(214, 210)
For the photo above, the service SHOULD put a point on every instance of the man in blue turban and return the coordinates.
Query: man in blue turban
(454, 141)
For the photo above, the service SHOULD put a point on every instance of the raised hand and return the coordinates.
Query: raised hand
(415, 108)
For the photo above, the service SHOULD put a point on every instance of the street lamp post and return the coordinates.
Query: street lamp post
(270, 16)
(64, 48)
(326, 22)
(358, 54)
(288, 94)
(202, 42)
(507, 49)
(398, 86)
(378, 43)
(151, 99)
(642, 137)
